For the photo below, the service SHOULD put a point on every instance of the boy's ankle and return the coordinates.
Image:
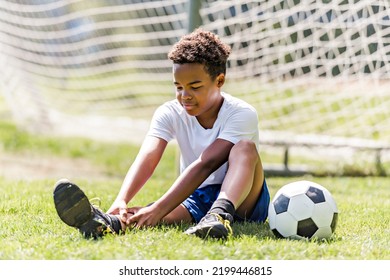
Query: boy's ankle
(224, 208)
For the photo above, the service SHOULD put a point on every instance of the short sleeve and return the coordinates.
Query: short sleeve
(162, 122)
(241, 124)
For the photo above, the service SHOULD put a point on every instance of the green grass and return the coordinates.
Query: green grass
(31, 230)
(114, 158)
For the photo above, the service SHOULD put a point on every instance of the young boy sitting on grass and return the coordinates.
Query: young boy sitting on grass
(221, 175)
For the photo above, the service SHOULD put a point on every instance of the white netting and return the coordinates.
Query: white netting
(85, 67)
(100, 68)
(310, 66)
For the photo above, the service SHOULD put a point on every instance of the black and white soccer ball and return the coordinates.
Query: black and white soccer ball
(303, 210)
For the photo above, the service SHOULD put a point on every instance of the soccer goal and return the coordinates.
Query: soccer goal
(314, 69)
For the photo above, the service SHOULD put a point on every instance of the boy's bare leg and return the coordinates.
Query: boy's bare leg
(240, 190)
(179, 214)
(244, 179)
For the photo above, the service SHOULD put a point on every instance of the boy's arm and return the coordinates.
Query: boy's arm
(139, 172)
(209, 161)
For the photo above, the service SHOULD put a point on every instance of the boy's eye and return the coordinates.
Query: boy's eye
(195, 88)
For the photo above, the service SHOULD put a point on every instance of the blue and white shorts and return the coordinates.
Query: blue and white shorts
(200, 202)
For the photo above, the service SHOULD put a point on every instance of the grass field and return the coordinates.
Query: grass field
(31, 230)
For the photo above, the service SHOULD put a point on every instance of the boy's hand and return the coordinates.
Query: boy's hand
(119, 208)
(143, 217)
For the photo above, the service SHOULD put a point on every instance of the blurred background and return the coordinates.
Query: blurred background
(317, 71)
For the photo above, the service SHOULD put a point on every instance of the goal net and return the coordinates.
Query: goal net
(99, 68)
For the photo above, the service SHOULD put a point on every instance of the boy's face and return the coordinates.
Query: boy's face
(195, 90)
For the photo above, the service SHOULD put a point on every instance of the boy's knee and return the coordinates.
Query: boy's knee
(245, 145)
(244, 148)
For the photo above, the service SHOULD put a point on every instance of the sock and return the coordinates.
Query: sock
(115, 223)
(224, 208)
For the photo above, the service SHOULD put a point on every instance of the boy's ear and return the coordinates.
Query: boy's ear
(220, 80)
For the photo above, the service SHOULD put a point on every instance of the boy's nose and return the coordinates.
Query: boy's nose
(185, 95)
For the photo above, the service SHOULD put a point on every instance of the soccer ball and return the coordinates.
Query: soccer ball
(303, 210)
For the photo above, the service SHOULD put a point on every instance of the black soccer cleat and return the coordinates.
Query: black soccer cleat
(212, 225)
(75, 210)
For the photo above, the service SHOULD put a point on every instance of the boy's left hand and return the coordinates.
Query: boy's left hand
(142, 217)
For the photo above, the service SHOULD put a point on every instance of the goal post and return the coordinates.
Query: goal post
(194, 18)
(310, 67)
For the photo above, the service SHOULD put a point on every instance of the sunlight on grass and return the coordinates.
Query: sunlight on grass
(31, 228)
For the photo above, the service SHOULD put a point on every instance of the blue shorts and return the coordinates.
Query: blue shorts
(200, 202)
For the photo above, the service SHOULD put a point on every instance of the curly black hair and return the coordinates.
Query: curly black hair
(202, 47)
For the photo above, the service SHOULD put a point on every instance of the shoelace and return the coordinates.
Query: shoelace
(226, 223)
(96, 202)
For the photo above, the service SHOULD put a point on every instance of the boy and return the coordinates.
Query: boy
(221, 178)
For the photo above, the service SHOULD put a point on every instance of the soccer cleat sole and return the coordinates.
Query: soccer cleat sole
(71, 203)
(215, 231)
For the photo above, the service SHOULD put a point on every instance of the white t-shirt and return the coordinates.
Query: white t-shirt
(236, 120)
